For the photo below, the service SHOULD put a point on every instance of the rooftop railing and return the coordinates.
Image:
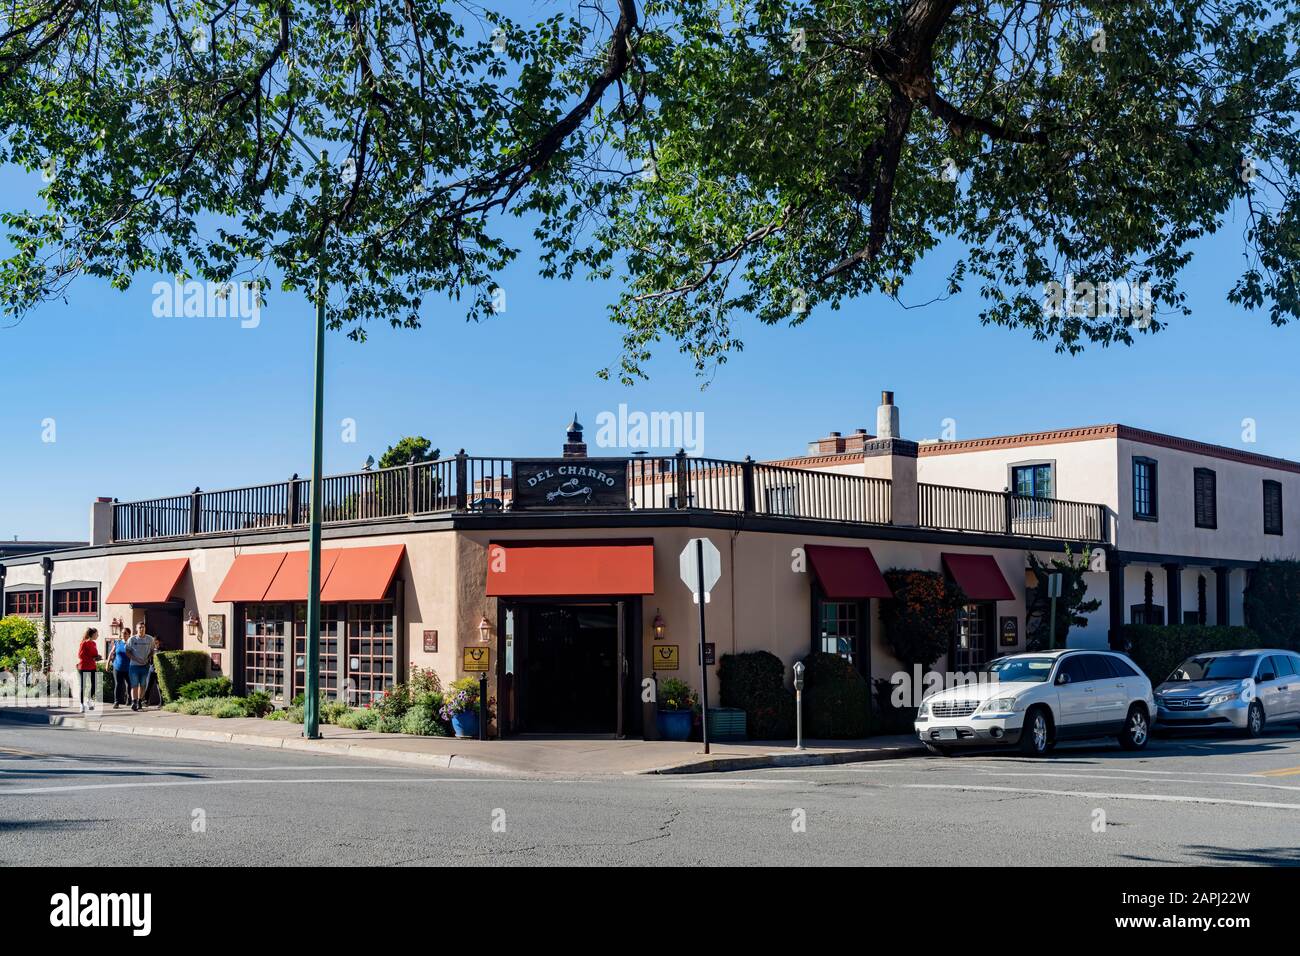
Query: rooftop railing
(465, 484)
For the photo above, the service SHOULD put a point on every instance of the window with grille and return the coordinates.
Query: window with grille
(27, 603)
(1145, 499)
(330, 635)
(1206, 498)
(266, 636)
(1272, 507)
(971, 642)
(840, 622)
(73, 601)
(371, 664)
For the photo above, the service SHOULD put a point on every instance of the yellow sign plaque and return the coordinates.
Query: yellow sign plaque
(666, 657)
(476, 658)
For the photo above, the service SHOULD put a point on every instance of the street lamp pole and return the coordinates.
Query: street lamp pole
(311, 666)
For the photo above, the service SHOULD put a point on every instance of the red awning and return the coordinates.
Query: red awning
(979, 576)
(290, 582)
(148, 582)
(525, 569)
(362, 574)
(847, 574)
(249, 577)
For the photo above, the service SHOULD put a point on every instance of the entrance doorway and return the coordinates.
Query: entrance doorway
(163, 622)
(567, 669)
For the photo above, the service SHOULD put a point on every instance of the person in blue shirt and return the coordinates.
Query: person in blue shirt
(120, 662)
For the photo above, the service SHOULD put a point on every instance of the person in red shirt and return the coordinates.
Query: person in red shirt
(87, 659)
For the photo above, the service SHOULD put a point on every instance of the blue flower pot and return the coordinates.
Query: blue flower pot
(465, 724)
(674, 724)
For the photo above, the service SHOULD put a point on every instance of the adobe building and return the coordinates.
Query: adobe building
(559, 577)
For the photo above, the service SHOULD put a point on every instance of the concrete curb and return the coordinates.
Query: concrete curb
(453, 761)
(766, 761)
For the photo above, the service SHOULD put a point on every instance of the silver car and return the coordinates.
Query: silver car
(1243, 690)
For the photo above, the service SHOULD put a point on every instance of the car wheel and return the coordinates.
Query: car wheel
(1036, 735)
(937, 749)
(1137, 729)
(1255, 719)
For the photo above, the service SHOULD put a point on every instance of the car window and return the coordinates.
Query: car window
(1074, 667)
(1267, 669)
(1285, 665)
(1293, 663)
(1233, 667)
(1097, 667)
(1122, 667)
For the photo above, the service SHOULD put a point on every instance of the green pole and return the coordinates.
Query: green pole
(311, 692)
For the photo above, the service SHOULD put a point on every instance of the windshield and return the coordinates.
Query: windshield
(1032, 670)
(1215, 668)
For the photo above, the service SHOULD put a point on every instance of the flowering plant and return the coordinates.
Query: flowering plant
(676, 694)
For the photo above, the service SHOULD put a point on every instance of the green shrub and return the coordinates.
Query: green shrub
(18, 634)
(837, 701)
(422, 723)
(357, 719)
(1158, 650)
(175, 669)
(755, 683)
(424, 680)
(1272, 603)
(394, 703)
(30, 655)
(257, 704)
(229, 707)
(331, 710)
(675, 694)
(206, 687)
(387, 725)
(292, 713)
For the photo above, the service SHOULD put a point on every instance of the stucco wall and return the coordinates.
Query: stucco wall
(1085, 470)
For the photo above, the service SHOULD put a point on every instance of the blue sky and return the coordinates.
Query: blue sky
(145, 406)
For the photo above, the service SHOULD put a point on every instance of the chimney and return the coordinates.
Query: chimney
(891, 456)
(574, 446)
(101, 521)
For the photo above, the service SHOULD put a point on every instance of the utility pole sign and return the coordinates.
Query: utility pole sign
(701, 567)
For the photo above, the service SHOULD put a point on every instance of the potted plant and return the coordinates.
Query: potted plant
(676, 712)
(460, 707)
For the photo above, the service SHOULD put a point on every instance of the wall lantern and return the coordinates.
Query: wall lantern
(659, 627)
(192, 623)
(484, 630)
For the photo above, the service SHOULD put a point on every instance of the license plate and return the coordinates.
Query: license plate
(947, 733)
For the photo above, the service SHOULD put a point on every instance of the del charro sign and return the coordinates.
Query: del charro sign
(570, 483)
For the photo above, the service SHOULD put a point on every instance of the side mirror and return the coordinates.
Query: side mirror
(1062, 678)
(1267, 675)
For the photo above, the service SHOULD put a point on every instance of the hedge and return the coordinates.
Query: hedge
(1272, 603)
(755, 683)
(175, 669)
(1157, 650)
(837, 701)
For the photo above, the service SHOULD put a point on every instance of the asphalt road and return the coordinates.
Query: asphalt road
(78, 798)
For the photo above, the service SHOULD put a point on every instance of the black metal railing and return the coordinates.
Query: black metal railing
(464, 484)
(999, 512)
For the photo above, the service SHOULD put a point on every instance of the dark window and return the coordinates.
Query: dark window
(1191, 617)
(1032, 481)
(372, 650)
(27, 603)
(1272, 507)
(1145, 489)
(1285, 665)
(76, 601)
(1097, 667)
(1147, 614)
(840, 622)
(1207, 512)
(1073, 666)
(1122, 667)
(1267, 669)
(972, 640)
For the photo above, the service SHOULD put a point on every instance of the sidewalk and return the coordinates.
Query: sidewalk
(526, 755)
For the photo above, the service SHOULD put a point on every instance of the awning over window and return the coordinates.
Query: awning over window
(249, 577)
(847, 574)
(346, 574)
(979, 576)
(148, 582)
(362, 574)
(527, 569)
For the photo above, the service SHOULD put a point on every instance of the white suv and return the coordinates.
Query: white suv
(1034, 700)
